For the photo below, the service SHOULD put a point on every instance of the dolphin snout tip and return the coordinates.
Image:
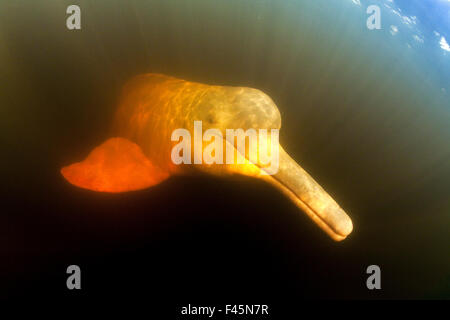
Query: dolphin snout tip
(344, 226)
(337, 220)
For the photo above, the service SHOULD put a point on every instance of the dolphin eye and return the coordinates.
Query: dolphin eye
(210, 118)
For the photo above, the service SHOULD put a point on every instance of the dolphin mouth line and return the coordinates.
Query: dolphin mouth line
(312, 214)
(286, 190)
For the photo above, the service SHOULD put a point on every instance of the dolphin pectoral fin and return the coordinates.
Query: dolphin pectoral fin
(117, 165)
(309, 196)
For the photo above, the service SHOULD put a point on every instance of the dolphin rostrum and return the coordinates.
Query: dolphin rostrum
(154, 105)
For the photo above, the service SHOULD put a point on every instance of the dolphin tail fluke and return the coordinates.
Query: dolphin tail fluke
(117, 165)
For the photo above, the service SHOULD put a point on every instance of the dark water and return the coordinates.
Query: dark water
(363, 114)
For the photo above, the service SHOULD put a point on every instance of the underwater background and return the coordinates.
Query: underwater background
(365, 112)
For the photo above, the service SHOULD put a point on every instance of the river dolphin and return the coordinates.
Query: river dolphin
(138, 155)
